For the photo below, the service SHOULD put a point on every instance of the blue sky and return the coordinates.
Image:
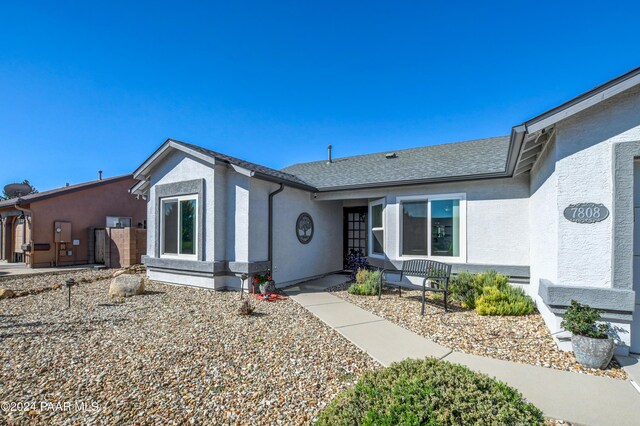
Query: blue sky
(100, 85)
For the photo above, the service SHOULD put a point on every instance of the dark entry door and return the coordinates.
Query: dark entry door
(355, 230)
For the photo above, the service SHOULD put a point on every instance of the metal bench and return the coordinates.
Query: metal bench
(437, 273)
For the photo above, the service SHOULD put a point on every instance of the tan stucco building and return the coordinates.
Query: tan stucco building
(59, 227)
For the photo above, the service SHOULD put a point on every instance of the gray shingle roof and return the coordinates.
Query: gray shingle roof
(259, 169)
(453, 161)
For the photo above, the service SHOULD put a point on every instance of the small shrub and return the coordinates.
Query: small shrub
(581, 319)
(355, 261)
(368, 284)
(491, 279)
(246, 308)
(429, 392)
(506, 301)
(361, 276)
(463, 290)
(467, 288)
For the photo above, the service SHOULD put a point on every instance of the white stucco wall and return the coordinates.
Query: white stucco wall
(584, 168)
(323, 254)
(497, 217)
(544, 217)
(577, 167)
(179, 167)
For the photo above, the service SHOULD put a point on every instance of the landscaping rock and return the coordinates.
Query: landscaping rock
(126, 286)
(6, 293)
(119, 272)
(178, 355)
(524, 339)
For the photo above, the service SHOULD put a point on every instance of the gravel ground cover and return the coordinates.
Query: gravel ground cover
(19, 283)
(524, 339)
(171, 356)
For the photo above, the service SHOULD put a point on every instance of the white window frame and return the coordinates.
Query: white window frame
(383, 203)
(462, 198)
(178, 255)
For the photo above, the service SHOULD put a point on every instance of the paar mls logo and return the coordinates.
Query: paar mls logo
(304, 228)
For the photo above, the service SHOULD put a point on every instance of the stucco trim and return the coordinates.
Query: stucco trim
(624, 154)
(612, 300)
(248, 267)
(509, 270)
(217, 268)
(175, 189)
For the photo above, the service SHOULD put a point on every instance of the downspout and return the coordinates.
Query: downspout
(24, 233)
(271, 195)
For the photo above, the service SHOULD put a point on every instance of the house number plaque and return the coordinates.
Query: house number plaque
(586, 212)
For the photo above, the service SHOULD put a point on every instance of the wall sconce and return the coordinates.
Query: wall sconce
(21, 219)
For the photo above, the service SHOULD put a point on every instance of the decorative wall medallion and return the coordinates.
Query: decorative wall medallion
(586, 212)
(304, 228)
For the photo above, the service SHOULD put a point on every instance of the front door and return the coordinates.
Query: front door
(355, 230)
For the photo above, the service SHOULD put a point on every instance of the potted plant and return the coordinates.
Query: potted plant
(264, 283)
(591, 343)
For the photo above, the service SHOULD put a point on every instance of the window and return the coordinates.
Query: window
(414, 228)
(432, 226)
(445, 228)
(118, 222)
(376, 222)
(178, 226)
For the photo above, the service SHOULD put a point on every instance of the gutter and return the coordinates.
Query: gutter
(271, 195)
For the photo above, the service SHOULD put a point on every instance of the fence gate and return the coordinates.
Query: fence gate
(100, 238)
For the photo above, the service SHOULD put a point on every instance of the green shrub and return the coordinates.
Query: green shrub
(429, 392)
(361, 276)
(505, 301)
(467, 288)
(366, 284)
(463, 290)
(491, 279)
(581, 319)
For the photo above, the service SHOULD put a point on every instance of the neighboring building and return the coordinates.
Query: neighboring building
(66, 226)
(514, 204)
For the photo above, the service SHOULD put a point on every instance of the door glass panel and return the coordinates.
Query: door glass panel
(170, 227)
(188, 226)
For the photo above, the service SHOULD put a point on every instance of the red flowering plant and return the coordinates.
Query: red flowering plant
(261, 279)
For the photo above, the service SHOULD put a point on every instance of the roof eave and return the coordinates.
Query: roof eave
(268, 178)
(460, 178)
(143, 171)
(584, 101)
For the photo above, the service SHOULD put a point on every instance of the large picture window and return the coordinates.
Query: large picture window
(179, 226)
(432, 226)
(376, 225)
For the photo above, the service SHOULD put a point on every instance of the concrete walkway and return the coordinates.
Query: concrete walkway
(573, 397)
(13, 269)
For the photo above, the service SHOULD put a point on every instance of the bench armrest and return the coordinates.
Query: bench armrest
(383, 274)
(443, 280)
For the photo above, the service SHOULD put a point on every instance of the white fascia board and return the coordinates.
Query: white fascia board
(242, 170)
(140, 188)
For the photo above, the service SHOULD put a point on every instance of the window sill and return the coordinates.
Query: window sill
(443, 259)
(377, 256)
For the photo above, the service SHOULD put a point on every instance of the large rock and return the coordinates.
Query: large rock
(126, 286)
(6, 293)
